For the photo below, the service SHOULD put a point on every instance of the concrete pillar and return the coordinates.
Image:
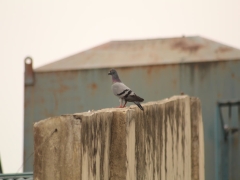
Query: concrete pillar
(163, 142)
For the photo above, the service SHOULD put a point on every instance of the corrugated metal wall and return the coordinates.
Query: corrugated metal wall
(56, 93)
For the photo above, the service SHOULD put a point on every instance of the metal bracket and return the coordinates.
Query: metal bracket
(29, 74)
(227, 129)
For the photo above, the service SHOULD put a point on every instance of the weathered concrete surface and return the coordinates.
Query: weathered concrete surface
(164, 142)
(197, 140)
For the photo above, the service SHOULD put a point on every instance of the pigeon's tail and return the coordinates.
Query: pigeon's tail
(139, 105)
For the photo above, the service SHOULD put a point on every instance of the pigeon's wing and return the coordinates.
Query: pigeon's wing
(124, 92)
(120, 90)
(133, 97)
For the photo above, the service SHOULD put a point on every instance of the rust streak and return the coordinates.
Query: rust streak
(149, 71)
(174, 83)
(184, 46)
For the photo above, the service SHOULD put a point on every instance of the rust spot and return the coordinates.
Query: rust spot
(174, 83)
(93, 86)
(219, 95)
(184, 46)
(233, 75)
(62, 88)
(223, 49)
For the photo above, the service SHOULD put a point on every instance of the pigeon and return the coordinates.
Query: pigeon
(124, 93)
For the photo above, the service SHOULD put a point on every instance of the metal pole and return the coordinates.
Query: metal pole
(217, 145)
(230, 142)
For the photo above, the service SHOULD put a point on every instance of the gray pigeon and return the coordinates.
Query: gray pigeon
(124, 93)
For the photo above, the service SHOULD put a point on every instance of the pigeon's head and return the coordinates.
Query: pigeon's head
(112, 72)
(114, 75)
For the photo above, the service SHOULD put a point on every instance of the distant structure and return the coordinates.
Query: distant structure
(1, 169)
(156, 69)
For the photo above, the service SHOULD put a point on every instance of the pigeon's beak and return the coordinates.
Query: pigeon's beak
(109, 73)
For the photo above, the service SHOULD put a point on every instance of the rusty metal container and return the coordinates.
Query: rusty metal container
(154, 68)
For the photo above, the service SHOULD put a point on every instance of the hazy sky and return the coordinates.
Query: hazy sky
(48, 30)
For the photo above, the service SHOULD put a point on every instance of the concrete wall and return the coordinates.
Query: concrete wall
(163, 142)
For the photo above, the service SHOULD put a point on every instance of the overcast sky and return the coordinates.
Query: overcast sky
(48, 30)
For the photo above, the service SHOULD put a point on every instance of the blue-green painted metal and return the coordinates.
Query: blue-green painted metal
(19, 176)
(227, 136)
(70, 91)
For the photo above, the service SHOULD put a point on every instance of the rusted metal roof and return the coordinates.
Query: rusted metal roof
(146, 52)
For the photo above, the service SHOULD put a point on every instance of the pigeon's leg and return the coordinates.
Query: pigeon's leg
(121, 101)
(125, 103)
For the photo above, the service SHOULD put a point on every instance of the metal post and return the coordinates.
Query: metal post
(217, 145)
(230, 142)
